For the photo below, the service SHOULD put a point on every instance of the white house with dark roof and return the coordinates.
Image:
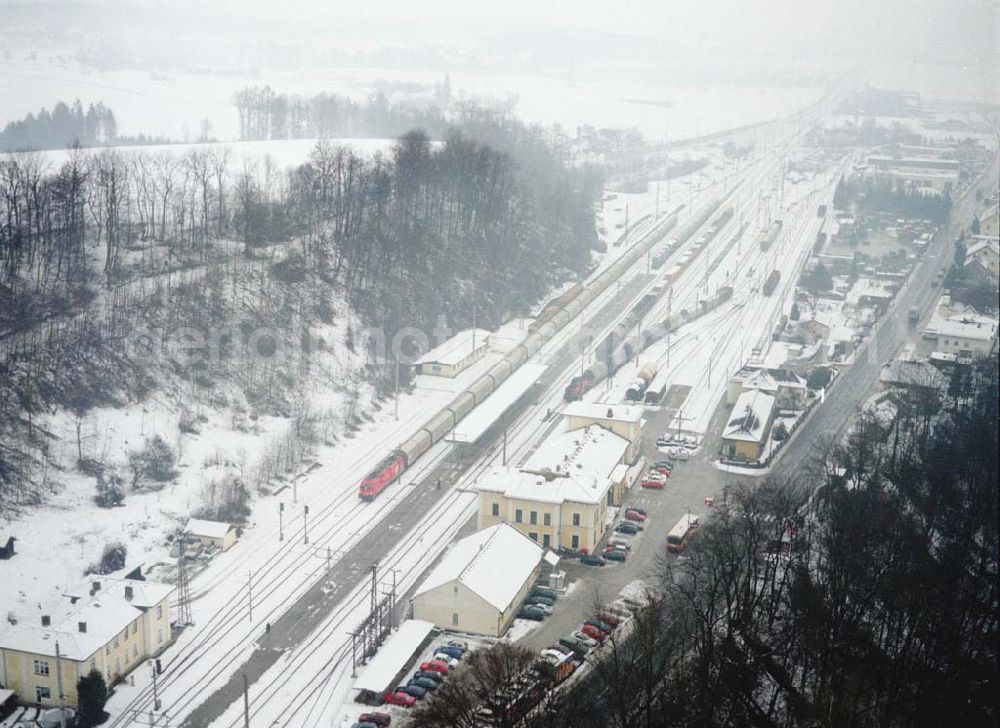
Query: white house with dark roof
(480, 583)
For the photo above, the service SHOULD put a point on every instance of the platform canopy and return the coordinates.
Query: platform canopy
(393, 656)
(474, 424)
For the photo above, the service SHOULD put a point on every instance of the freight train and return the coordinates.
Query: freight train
(638, 387)
(769, 235)
(553, 317)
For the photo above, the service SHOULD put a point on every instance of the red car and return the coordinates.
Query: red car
(634, 516)
(379, 719)
(658, 484)
(401, 699)
(594, 633)
(435, 665)
(660, 469)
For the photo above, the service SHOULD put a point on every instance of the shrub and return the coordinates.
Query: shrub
(154, 462)
(112, 559)
(819, 378)
(780, 432)
(110, 490)
(92, 694)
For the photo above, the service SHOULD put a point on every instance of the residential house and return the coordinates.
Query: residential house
(749, 426)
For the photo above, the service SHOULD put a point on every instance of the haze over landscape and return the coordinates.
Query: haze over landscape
(467, 364)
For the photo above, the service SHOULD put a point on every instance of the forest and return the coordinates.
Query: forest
(864, 593)
(111, 243)
(63, 126)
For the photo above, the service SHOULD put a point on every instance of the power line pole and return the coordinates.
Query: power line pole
(156, 691)
(395, 395)
(305, 524)
(246, 702)
(59, 687)
(183, 588)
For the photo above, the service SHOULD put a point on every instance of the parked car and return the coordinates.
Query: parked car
(620, 541)
(423, 682)
(601, 625)
(530, 612)
(560, 648)
(399, 698)
(446, 659)
(414, 691)
(592, 560)
(608, 618)
(434, 666)
(541, 591)
(585, 639)
(429, 674)
(637, 510)
(364, 724)
(452, 651)
(464, 646)
(546, 609)
(656, 475)
(680, 453)
(634, 516)
(553, 656)
(627, 527)
(655, 484)
(379, 719)
(579, 649)
(664, 440)
(592, 632)
(662, 470)
(537, 599)
(615, 555)
(668, 464)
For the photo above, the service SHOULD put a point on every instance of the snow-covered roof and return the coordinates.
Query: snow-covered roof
(493, 563)
(104, 617)
(393, 656)
(456, 348)
(145, 594)
(561, 488)
(905, 373)
(603, 411)
(590, 452)
(208, 529)
(750, 417)
(767, 379)
(965, 328)
(982, 244)
(474, 424)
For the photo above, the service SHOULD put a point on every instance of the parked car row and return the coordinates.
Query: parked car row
(538, 605)
(428, 677)
(656, 476)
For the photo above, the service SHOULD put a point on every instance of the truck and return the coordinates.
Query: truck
(914, 316)
(821, 212)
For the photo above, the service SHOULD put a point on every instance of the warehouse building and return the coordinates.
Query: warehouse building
(216, 534)
(481, 582)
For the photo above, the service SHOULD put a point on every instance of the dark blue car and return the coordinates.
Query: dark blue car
(452, 651)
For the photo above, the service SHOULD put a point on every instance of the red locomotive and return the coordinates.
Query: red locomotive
(383, 475)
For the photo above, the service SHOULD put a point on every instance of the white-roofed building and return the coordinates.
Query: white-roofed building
(481, 582)
(559, 496)
(788, 388)
(984, 252)
(748, 427)
(219, 534)
(451, 357)
(623, 420)
(105, 624)
(967, 336)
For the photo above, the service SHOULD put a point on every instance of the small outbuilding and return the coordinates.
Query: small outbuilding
(749, 425)
(217, 534)
(479, 585)
(454, 355)
(7, 550)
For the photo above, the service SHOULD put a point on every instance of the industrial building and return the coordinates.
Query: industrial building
(454, 355)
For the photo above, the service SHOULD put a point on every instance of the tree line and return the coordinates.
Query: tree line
(863, 595)
(266, 114)
(61, 127)
(114, 242)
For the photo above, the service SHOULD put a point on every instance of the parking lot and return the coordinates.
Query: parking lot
(685, 491)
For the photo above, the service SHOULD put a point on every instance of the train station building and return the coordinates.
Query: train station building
(560, 496)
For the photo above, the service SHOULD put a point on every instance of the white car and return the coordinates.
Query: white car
(656, 475)
(584, 640)
(553, 657)
(446, 659)
(679, 453)
(546, 609)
